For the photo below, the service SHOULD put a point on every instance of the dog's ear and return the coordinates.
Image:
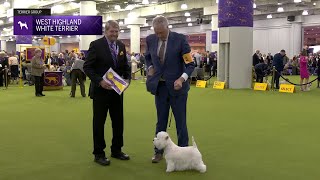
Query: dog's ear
(167, 137)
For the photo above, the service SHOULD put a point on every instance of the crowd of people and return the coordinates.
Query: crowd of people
(305, 64)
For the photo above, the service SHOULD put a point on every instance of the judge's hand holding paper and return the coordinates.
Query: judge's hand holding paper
(113, 81)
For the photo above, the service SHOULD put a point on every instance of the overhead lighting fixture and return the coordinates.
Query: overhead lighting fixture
(69, 36)
(35, 37)
(60, 37)
(151, 28)
(254, 5)
(297, 1)
(145, 2)
(6, 4)
(120, 23)
(187, 14)
(188, 20)
(280, 9)
(122, 31)
(305, 12)
(129, 7)
(269, 16)
(117, 7)
(170, 26)
(217, 1)
(76, 14)
(184, 6)
(146, 24)
(279, 4)
(314, 4)
(189, 24)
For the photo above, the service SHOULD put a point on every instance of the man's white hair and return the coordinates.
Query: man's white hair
(160, 21)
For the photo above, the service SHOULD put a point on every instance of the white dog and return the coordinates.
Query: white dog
(179, 158)
(23, 25)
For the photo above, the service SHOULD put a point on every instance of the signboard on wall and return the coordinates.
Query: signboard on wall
(57, 25)
(30, 53)
(214, 39)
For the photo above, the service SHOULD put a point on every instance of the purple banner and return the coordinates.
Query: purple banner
(24, 39)
(30, 53)
(53, 78)
(214, 39)
(234, 13)
(57, 25)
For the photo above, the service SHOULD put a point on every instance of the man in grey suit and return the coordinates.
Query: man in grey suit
(37, 70)
(77, 73)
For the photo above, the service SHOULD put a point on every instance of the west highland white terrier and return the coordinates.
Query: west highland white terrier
(179, 158)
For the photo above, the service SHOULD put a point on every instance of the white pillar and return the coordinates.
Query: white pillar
(208, 40)
(214, 27)
(135, 38)
(134, 24)
(296, 36)
(87, 8)
(3, 45)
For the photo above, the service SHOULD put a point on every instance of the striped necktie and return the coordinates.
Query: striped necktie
(161, 52)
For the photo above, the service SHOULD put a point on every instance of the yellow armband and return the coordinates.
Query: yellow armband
(187, 58)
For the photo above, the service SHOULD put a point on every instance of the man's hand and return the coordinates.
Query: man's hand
(150, 71)
(105, 85)
(178, 84)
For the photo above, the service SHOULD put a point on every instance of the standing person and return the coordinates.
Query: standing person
(278, 63)
(104, 53)
(37, 70)
(304, 74)
(77, 74)
(3, 63)
(169, 65)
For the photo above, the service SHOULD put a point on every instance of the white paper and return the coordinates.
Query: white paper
(118, 83)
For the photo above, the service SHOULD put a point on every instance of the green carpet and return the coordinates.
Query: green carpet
(242, 134)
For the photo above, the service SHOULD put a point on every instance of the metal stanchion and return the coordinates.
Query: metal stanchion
(272, 80)
(143, 75)
(6, 76)
(252, 81)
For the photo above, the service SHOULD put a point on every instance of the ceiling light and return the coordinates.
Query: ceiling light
(154, 2)
(35, 37)
(314, 4)
(145, 2)
(189, 24)
(217, 1)
(187, 14)
(151, 28)
(6, 4)
(279, 4)
(76, 14)
(117, 7)
(170, 26)
(60, 37)
(254, 5)
(146, 24)
(122, 31)
(280, 9)
(269, 16)
(120, 22)
(297, 1)
(305, 12)
(188, 20)
(68, 36)
(130, 7)
(184, 6)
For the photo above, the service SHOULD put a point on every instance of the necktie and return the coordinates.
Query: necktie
(114, 53)
(161, 52)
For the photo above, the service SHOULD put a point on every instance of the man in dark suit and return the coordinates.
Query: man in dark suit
(256, 58)
(105, 53)
(278, 63)
(169, 65)
(262, 70)
(3, 64)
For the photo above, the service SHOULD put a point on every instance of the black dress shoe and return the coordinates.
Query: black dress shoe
(120, 155)
(103, 161)
(42, 95)
(38, 95)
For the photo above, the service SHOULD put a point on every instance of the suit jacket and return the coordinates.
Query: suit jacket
(4, 63)
(278, 62)
(99, 60)
(37, 67)
(255, 59)
(177, 61)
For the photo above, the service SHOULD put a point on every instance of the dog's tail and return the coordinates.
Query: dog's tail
(194, 143)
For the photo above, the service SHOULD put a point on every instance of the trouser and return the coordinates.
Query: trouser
(101, 104)
(38, 84)
(178, 104)
(77, 74)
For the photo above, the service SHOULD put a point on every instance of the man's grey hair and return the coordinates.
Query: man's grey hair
(111, 23)
(160, 21)
(37, 50)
